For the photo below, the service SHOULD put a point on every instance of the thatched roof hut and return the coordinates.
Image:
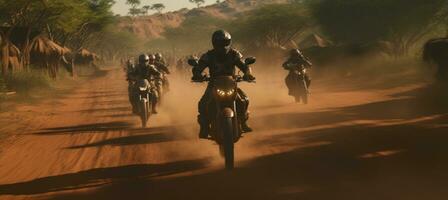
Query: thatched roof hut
(43, 46)
(47, 54)
(14, 57)
(85, 57)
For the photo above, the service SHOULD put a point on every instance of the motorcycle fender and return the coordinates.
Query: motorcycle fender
(227, 112)
(144, 100)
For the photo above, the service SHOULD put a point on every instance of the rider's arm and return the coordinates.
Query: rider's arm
(202, 64)
(306, 61)
(286, 65)
(246, 69)
(163, 67)
(291, 64)
(240, 63)
(153, 71)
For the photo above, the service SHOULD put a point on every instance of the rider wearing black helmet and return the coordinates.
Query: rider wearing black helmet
(296, 58)
(221, 61)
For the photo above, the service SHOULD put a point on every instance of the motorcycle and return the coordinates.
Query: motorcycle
(146, 97)
(225, 125)
(299, 89)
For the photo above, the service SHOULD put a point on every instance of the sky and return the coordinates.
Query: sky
(121, 8)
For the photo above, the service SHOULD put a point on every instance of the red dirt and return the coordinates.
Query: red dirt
(346, 144)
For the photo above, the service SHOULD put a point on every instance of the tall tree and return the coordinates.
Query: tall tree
(145, 9)
(197, 2)
(95, 18)
(159, 7)
(271, 25)
(133, 3)
(134, 10)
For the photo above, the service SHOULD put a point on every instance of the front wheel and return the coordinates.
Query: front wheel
(144, 113)
(228, 143)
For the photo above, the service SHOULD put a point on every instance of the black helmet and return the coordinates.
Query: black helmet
(295, 53)
(221, 39)
(143, 59)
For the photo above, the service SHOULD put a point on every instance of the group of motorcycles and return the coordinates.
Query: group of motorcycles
(225, 127)
(144, 91)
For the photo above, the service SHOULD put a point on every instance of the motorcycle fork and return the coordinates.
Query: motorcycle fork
(305, 85)
(219, 118)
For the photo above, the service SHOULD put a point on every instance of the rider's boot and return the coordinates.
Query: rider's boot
(204, 129)
(134, 109)
(244, 126)
(154, 108)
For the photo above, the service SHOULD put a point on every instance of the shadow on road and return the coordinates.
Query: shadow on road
(110, 109)
(100, 176)
(145, 136)
(396, 156)
(399, 154)
(86, 128)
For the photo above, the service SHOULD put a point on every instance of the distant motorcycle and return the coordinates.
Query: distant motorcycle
(297, 77)
(146, 97)
(225, 126)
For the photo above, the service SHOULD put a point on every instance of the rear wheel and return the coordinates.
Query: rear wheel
(297, 98)
(228, 143)
(305, 97)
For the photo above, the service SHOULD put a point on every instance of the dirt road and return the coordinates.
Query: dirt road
(370, 143)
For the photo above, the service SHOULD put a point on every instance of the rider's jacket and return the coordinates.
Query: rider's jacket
(130, 70)
(293, 62)
(146, 71)
(221, 64)
(162, 67)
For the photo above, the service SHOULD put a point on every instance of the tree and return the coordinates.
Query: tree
(94, 18)
(192, 35)
(105, 43)
(158, 7)
(400, 22)
(197, 2)
(133, 3)
(134, 10)
(38, 16)
(70, 23)
(146, 9)
(271, 25)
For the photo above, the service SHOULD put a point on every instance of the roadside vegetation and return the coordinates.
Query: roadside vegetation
(47, 41)
(341, 36)
(41, 39)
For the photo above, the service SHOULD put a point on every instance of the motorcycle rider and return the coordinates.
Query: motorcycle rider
(146, 70)
(294, 62)
(221, 61)
(130, 70)
(161, 65)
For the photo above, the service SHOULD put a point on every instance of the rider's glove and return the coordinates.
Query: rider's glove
(248, 77)
(197, 78)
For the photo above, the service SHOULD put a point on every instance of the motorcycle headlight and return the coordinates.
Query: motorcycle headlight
(142, 88)
(223, 93)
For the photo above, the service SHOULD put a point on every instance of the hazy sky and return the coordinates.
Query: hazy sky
(121, 8)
